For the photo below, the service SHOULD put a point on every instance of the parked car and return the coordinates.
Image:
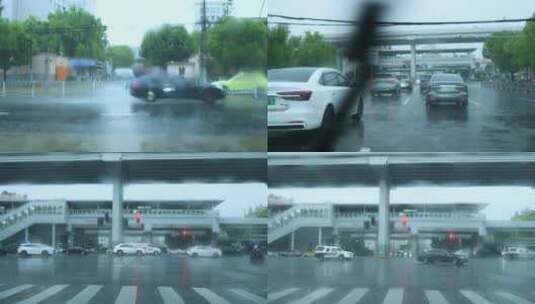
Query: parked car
(518, 252)
(204, 251)
(424, 82)
(243, 81)
(405, 82)
(383, 83)
(307, 98)
(160, 85)
(332, 252)
(35, 249)
(76, 250)
(129, 248)
(447, 88)
(3, 252)
(441, 256)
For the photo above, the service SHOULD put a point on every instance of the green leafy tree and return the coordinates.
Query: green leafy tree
(280, 48)
(13, 45)
(313, 50)
(258, 211)
(121, 56)
(169, 43)
(238, 44)
(502, 49)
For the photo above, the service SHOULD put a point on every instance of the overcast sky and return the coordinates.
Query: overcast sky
(128, 20)
(503, 201)
(238, 198)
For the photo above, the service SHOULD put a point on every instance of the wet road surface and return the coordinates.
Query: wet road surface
(128, 280)
(111, 120)
(398, 281)
(492, 122)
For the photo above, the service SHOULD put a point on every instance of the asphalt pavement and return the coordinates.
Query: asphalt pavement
(127, 280)
(493, 122)
(400, 280)
(110, 120)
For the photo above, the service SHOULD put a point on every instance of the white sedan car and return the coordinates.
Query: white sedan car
(129, 248)
(307, 98)
(35, 249)
(204, 251)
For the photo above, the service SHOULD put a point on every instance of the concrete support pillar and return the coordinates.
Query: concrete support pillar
(292, 240)
(383, 221)
(26, 235)
(117, 203)
(54, 235)
(336, 236)
(320, 236)
(482, 233)
(413, 61)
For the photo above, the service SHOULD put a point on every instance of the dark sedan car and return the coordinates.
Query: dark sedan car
(77, 250)
(447, 88)
(441, 256)
(160, 85)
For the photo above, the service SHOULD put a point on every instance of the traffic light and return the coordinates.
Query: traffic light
(137, 217)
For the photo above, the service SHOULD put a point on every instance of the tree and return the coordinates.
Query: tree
(280, 51)
(501, 48)
(121, 56)
(313, 50)
(169, 43)
(13, 45)
(238, 44)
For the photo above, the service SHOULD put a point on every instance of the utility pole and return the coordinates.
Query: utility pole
(203, 44)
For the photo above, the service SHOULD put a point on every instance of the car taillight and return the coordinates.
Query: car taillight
(296, 95)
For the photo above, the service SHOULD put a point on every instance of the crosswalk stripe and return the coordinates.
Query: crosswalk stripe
(513, 298)
(8, 293)
(394, 296)
(170, 296)
(354, 296)
(474, 297)
(211, 297)
(84, 296)
(127, 295)
(435, 297)
(274, 296)
(44, 294)
(249, 296)
(317, 294)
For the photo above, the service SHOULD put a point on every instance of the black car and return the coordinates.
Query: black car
(161, 85)
(447, 88)
(76, 250)
(441, 256)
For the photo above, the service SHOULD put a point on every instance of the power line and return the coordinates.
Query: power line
(394, 23)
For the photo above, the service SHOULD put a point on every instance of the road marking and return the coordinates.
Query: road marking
(354, 296)
(8, 293)
(318, 294)
(513, 298)
(435, 297)
(470, 101)
(5, 113)
(127, 295)
(274, 296)
(249, 296)
(85, 295)
(47, 293)
(406, 100)
(394, 296)
(211, 297)
(474, 297)
(169, 296)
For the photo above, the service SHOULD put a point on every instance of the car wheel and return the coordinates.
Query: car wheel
(151, 96)
(215, 255)
(360, 111)
(120, 252)
(45, 253)
(139, 253)
(341, 258)
(24, 253)
(328, 121)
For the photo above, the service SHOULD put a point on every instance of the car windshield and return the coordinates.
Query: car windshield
(290, 75)
(446, 78)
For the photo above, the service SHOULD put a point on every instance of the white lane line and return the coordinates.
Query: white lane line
(394, 296)
(471, 101)
(406, 100)
(249, 296)
(84, 296)
(43, 295)
(435, 297)
(474, 297)
(5, 113)
(354, 296)
(127, 295)
(315, 295)
(8, 293)
(274, 296)
(170, 296)
(513, 298)
(211, 297)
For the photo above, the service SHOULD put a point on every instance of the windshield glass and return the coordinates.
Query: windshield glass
(290, 75)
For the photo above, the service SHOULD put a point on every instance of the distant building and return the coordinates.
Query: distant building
(188, 68)
(20, 10)
(215, 10)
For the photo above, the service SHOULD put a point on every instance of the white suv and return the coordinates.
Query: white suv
(153, 250)
(332, 252)
(129, 248)
(35, 249)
